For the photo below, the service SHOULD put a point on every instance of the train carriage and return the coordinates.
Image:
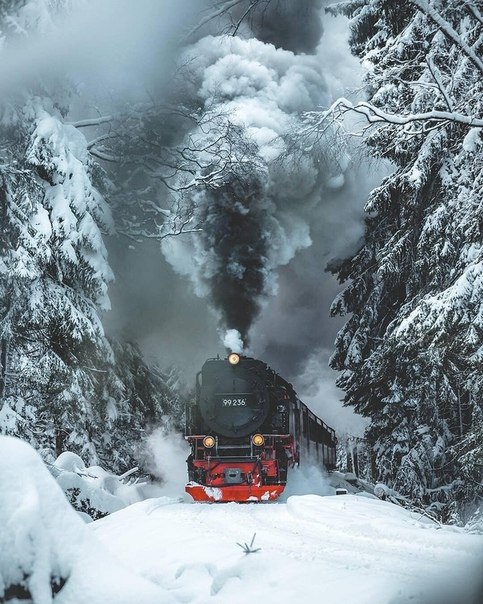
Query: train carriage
(246, 428)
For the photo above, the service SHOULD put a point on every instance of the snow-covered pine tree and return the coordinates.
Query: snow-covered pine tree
(62, 384)
(411, 352)
(54, 281)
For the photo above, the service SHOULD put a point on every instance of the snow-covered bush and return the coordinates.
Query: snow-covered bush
(96, 492)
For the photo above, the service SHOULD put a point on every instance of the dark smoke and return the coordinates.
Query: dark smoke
(234, 231)
(292, 25)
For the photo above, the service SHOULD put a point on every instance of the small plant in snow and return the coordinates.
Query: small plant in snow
(249, 549)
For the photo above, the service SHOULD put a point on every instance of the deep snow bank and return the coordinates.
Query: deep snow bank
(45, 548)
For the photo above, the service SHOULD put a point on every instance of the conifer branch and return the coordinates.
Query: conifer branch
(449, 31)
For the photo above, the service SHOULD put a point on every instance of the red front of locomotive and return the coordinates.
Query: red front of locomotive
(238, 430)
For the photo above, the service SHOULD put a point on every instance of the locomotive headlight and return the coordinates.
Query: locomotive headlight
(258, 440)
(208, 442)
(234, 358)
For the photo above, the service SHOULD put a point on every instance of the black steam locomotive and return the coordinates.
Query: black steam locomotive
(245, 429)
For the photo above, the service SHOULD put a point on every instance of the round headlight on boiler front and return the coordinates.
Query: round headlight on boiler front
(208, 442)
(258, 440)
(234, 358)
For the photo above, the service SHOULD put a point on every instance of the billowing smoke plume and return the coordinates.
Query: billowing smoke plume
(251, 209)
(235, 236)
(295, 26)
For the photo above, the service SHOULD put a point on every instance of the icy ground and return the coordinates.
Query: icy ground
(313, 548)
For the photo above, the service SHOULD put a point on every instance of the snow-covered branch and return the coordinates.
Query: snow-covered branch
(100, 139)
(449, 31)
(93, 121)
(439, 81)
(474, 11)
(374, 115)
(103, 156)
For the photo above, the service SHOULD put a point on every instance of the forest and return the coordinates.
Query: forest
(257, 150)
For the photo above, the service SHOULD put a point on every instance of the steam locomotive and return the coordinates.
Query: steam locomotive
(245, 429)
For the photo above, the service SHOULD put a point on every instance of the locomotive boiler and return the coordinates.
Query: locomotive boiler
(246, 428)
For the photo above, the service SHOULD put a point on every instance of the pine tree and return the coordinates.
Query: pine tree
(63, 385)
(55, 282)
(411, 352)
(149, 398)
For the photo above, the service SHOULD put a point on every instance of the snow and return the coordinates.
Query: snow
(350, 547)
(41, 222)
(472, 140)
(44, 543)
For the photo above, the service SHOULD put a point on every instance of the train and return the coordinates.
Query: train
(246, 428)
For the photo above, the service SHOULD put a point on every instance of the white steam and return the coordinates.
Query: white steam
(167, 452)
(307, 479)
(233, 341)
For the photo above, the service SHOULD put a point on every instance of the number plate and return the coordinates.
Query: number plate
(233, 402)
(230, 401)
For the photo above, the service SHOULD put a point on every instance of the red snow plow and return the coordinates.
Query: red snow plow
(243, 472)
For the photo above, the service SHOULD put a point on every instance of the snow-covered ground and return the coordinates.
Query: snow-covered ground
(348, 548)
(313, 548)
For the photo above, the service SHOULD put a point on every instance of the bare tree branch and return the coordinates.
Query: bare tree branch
(223, 8)
(243, 17)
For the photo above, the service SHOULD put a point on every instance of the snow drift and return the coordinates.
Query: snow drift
(353, 549)
(47, 550)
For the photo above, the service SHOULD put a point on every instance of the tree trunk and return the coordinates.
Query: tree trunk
(3, 367)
